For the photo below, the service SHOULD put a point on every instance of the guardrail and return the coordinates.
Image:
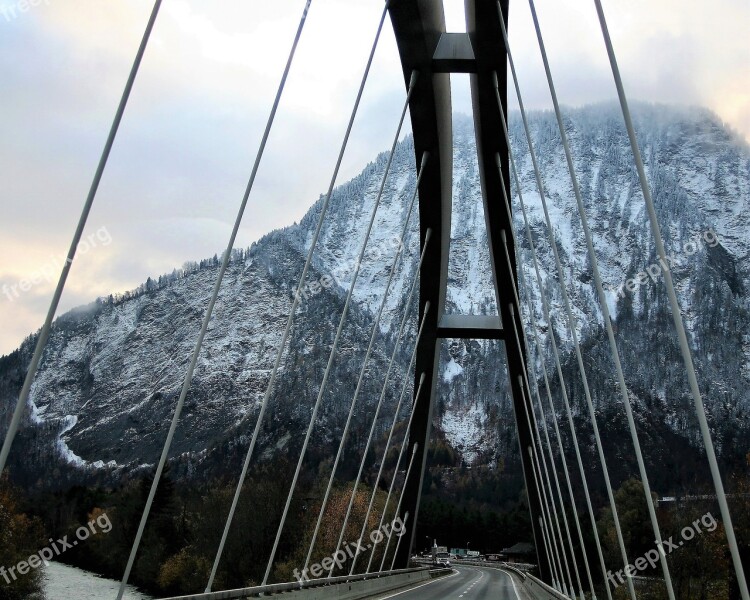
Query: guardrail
(521, 567)
(519, 572)
(339, 588)
(540, 590)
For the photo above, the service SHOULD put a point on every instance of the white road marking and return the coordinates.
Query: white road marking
(512, 581)
(468, 589)
(419, 586)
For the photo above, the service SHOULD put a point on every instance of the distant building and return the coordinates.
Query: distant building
(522, 552)
(464, 553)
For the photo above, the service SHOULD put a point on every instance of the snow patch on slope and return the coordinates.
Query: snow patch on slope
(465, 429)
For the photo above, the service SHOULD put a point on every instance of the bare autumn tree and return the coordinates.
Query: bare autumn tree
(20, 537)
(328, 536)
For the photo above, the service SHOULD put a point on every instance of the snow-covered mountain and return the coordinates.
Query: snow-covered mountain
(113, 370)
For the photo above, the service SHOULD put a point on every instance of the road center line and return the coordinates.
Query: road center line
(419, 586)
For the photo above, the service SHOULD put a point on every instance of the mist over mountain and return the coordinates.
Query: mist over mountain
(112, 372)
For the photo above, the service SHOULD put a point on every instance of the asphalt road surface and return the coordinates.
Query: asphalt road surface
(467, 583)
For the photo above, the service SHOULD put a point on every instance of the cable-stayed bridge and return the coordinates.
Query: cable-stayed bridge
(375, 565)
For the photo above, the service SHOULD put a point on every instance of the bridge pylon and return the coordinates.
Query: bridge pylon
(425, 46)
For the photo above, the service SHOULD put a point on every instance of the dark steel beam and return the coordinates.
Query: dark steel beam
(454, 54)
(423, 44)
(483, 26)
(471, 327)
(419, 25)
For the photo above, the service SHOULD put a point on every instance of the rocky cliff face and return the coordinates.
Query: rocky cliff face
(113, 370)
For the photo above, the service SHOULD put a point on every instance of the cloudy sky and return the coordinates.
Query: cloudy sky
(189, 138)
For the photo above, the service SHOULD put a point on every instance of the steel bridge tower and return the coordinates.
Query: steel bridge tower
(425, 46)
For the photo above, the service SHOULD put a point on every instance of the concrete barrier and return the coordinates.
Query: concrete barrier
(540, 590)
(364, 589)
(338, 588)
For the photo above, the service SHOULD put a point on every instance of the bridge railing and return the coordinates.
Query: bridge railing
(342, 588)
(521, 567)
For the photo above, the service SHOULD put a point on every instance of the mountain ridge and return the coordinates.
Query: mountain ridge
(104, 408)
